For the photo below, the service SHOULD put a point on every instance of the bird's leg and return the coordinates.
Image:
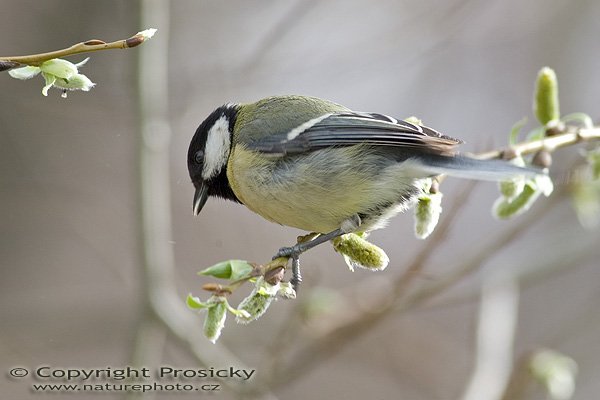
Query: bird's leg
(294, 252)
(296, 277)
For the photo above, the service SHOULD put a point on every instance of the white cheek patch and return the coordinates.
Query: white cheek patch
(216, 151)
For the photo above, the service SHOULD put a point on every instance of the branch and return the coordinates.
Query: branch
(88, 46)
(163, 303)
(498, 313)
(573, 135)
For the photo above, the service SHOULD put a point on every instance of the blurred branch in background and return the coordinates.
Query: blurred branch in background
(164, 310)
(498, 315)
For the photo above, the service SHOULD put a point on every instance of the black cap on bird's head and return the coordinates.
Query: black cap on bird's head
(208, 154)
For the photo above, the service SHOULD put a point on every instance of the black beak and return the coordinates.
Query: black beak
(200, 198)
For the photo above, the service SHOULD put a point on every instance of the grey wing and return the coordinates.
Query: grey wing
(352, 128)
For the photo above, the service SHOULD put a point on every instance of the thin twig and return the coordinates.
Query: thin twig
(572, 136)
(78, 48)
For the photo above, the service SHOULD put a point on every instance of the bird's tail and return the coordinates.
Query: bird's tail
(471, 168)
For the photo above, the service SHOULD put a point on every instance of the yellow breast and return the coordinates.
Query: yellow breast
(302, 192)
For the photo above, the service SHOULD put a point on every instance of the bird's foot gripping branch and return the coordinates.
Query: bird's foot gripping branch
(517, 195)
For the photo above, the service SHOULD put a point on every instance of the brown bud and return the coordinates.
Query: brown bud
(509, 153)
(94, 42)
(274, 276)
(555, 128)
(542, 158)
(216, 288)
(134, 41)
(6, 65)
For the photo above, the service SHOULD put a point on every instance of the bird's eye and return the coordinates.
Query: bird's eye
(199, 157)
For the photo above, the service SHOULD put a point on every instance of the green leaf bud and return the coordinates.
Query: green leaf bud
(358, 252)
(230, 269)
(215, 317)
(546, 107)
(257, 303)
(505, 208)
(427, 214)
(556, 372)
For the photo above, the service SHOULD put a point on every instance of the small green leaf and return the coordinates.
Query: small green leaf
(230, 269)
(194, 303)
(76, 82)
(50, 80)
(513, 136)
(505, 208)
(23, 73)
(59, 68)
(358, 252)
(546, 105)
(584, 119)
(82, 62)
(238, 313)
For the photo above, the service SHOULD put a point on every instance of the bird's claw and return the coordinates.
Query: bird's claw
(296, 277)
(292, 253)
(289, 252)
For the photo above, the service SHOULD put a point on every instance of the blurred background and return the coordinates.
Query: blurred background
(73, 291)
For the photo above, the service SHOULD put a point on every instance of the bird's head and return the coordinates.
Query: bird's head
(208, 155)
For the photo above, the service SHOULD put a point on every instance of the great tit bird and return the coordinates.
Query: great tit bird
(316, 165)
